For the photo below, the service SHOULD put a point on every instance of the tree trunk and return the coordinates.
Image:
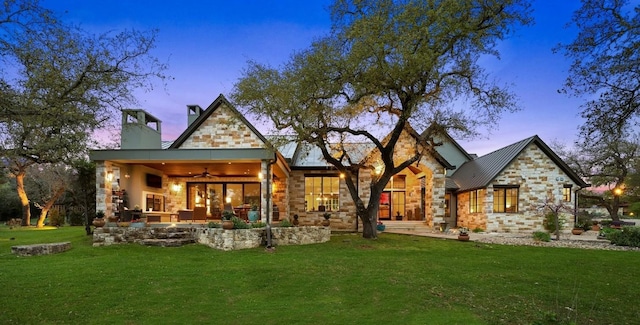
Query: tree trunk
(369, 229)
(615, 206)
(24, 199)
(47, 207)
(557, 222)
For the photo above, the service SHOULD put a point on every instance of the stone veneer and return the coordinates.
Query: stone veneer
(214, 237)
(538, 178)
(234, 134)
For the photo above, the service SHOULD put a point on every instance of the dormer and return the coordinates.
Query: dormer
(140, 130)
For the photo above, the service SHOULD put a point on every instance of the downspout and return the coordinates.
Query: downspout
(269, 198)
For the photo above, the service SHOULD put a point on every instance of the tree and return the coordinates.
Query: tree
(606, 64)
(47, 183)
(82, 191)
(386, 65)
(606, 163)
(65, 85)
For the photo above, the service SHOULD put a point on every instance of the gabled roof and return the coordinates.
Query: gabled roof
(207, 112)
(478, 173)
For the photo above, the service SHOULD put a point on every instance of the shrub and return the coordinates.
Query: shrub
(477, 230)
(76, 218)
(258, 224)
(549, 223)
(56, 218)
(541, 236)
(605, 232)
(239, 223)
(628, 236)
(286, 223)
(212, 224)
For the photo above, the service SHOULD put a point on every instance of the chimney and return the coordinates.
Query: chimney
(140, 130)
(193, 112)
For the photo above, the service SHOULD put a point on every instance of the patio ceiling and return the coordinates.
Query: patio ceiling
(214, 169)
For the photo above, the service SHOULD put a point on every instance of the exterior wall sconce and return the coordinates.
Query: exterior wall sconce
(110, 176)
(260, 175)
(228, 199)
(176, 187)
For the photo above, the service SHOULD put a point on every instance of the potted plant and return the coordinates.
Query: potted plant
(577, 228)
(463, 234)
(253, 214)
(226, 219)
(380, 226)
(99, 221)
(326, 221)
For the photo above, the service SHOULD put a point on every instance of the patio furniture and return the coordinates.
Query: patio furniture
(185, 215)
(199, 213)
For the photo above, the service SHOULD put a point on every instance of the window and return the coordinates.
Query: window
(322, 193)
(213, 196)
(566, 193)
(505, 199)
(474, 202)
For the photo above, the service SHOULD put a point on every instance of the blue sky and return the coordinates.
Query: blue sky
(207, 44)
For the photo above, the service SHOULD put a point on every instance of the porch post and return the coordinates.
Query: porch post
(265, 182)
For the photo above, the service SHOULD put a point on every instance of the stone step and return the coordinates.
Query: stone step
(173, 242)
(174, 235)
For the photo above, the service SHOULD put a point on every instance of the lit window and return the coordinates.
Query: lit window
(566, 193)
(505, 199)
(322, 193)
(474, 202)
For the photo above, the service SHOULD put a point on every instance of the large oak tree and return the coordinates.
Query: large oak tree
(59, 84)
(606, 66)
(384, 66)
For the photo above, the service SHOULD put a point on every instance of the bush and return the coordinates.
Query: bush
(76, 218)
(478, 230)
(628, 236)
(541, 236)
(258, 224)
(239, 223)
(56, 218)
(212, 224)
(286, 223)
(549, 223)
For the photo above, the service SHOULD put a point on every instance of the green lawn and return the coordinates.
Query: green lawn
(394, 280)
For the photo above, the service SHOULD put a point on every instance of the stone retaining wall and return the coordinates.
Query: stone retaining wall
(40, 249)
(214, 237)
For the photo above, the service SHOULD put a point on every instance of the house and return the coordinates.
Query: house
(222, 162)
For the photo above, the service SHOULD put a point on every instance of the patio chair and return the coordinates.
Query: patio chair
(199, 213)
(185, 215)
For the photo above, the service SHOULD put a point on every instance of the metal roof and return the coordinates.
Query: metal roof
(478, 173)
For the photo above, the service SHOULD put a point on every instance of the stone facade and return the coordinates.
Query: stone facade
(223, 129)
(538, 178)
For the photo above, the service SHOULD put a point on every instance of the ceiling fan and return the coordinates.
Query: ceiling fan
(205, 173)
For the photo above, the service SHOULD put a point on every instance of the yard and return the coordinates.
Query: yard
(394, 280)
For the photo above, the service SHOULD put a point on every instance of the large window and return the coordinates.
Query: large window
(474, 201)
(505, 199)
(322, 192)
(566, 193)
(214, 196)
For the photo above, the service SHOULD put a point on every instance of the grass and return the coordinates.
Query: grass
(395, 279)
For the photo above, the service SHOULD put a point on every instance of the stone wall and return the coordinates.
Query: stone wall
(213, 237)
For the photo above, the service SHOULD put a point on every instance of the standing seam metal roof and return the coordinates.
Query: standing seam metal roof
(478, 173)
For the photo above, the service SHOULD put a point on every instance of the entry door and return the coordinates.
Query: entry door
(392, 205)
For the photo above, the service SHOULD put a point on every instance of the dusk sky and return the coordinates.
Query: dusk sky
(207, 44)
